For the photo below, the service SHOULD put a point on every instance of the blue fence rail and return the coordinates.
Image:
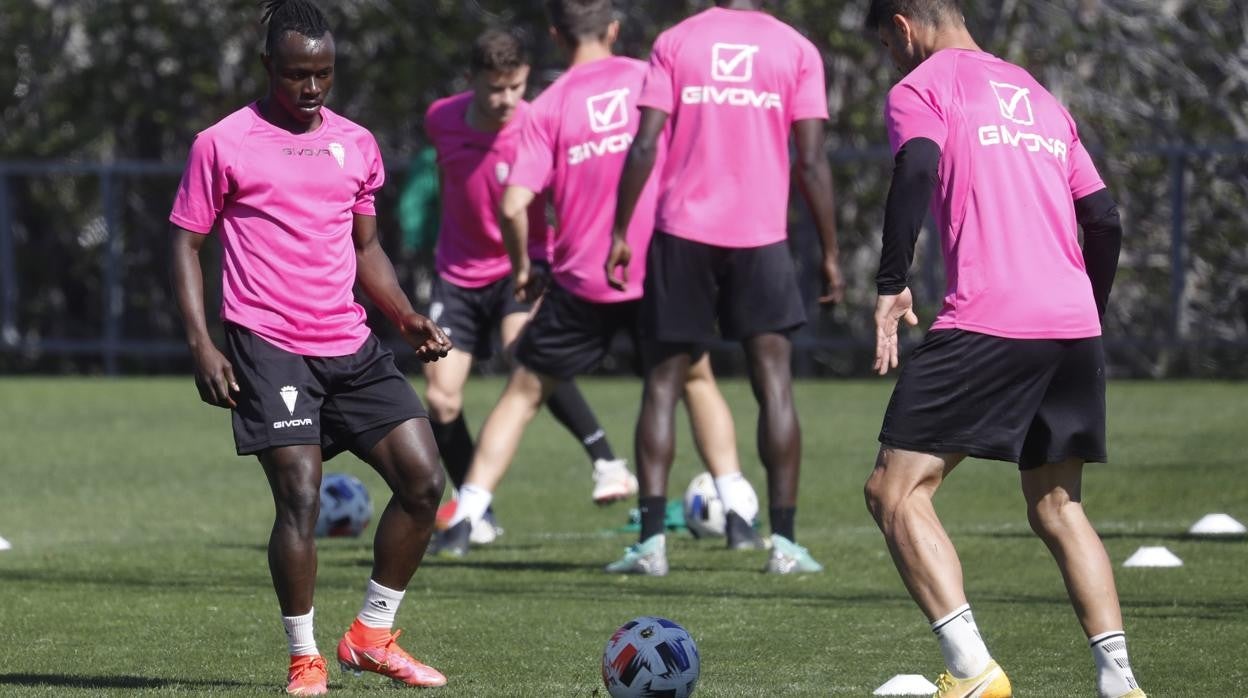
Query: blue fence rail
(111, 345)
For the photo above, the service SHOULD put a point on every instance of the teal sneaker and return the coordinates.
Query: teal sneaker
(788, 557)
(648, 557)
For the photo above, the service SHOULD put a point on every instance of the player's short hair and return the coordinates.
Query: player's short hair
(498, 50)
(299, 16)
(576, 20)
(932, 12)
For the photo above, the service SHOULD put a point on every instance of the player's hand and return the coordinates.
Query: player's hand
(834, 281)
(529, 283)
(889, 312)
(429, 341)
(214, 377)
(621, 254)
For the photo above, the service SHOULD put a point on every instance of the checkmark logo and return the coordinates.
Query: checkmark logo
(1015, 102)
(608, 111)
(732, 62)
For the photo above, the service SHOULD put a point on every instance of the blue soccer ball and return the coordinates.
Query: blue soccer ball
(650, 656)
(346, 508)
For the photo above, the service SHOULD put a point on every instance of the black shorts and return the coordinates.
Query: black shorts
(1027, 401)
(340, 402)
(690, 286)
(471, 316)
(569, 336)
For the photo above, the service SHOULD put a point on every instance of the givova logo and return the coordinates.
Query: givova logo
(1015, 102)
(731, 63)
(608, 111)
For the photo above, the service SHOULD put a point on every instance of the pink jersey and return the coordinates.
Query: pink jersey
(474, 166)
(1010, 170)
(285, 204)
(576, 141)
(733, 81)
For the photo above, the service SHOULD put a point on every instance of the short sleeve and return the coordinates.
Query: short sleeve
(810, 96)
(535, 154)
(659, 91)
(1084, 179)
(374, 177)
(910, 113)
(205, 182)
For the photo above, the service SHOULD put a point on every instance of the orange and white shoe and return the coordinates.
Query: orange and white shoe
(386, 658)
(307, 676)
(992, 683)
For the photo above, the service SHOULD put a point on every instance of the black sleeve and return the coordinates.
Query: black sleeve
(1097, 214)
(915, 173)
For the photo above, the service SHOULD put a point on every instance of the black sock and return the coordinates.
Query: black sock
(653, 516)
(568, 405)
(455, 445)
(782, 521)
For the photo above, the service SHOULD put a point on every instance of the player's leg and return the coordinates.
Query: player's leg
(444, 394)
(294, 475)
(278, 419)
(406, 457)
(715, 435)
(899, 495)
(567, 405)
(655, 444)
(1069, 430)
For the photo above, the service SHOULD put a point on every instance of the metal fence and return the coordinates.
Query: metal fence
(83, 281)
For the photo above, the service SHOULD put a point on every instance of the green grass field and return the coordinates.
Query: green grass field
(138, 560)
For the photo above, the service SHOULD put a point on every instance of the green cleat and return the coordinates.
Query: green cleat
(648, 557)
(788, 557)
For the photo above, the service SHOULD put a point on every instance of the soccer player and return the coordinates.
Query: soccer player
(476, 135)
(289, 186)
(574, 143)
(730, 83)
(1013, 368)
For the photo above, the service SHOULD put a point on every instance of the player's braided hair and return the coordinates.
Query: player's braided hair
(933, 12)
(580, 19)
(299, 16)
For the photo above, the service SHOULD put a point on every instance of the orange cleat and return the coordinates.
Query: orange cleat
(307, 676)
(386, 658)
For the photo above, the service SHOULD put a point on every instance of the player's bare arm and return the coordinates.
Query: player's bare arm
(376, 276)
(214, 376)
(513, 221)
(814, 179)
(641, 158)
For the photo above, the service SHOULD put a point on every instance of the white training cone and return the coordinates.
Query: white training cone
(1217, 525)
(906, 685)
(4, 544)
(1149, 556)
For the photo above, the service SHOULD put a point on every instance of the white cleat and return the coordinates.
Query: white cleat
(613, 481)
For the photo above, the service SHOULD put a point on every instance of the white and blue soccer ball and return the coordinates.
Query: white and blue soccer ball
(650, 656)
(346, 508)
(704, 511)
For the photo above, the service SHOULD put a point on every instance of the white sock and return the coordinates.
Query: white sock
(299, 635)
(737, 495)
(472, 503)
(1113, 669)
(380, 605)
(964, 650)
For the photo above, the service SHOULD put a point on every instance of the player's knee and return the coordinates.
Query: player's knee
(875, 494)
(299, 507)
(1047, 516)
(422, 494)
(444, 405)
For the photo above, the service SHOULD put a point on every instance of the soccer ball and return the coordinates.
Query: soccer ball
(346, 507)
(704, 512)
(650, 656)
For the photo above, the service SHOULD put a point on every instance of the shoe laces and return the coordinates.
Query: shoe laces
(392, 647)
(301, 670)
(944, 682)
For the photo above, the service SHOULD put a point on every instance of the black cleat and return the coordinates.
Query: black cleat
(741, 535)
(453, 542)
